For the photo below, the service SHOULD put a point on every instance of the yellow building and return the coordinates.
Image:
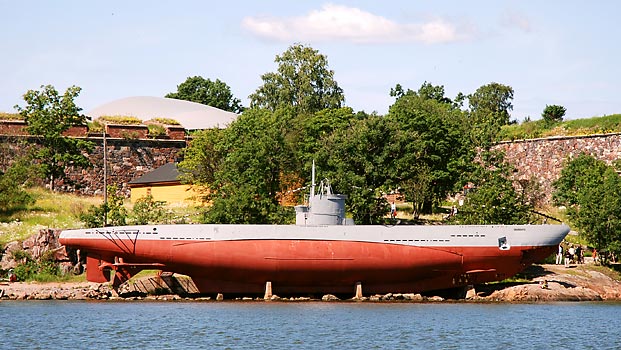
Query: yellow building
(163, 184)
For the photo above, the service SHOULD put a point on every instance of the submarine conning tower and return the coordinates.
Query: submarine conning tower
(324, 208)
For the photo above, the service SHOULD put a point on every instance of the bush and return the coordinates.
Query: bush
(113, 212)
(166, 121)
(156, 130)
(147, 211)
(46, 269)
(119, 119)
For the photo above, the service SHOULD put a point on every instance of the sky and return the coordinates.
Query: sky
(550, 52)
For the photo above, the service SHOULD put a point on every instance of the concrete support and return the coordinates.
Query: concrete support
(358, 294)
(268, 290)
(220, 297)
(470, 292)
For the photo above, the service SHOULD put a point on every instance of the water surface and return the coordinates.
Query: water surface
(307, 325)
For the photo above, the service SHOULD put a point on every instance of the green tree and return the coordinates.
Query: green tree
(577, 178)
(48, 115)
(591, 192)
(303, 80)
(248, 181)
(202, 158)
(212, 93)
(356, 161)
(553, 113)
(494, 199)
(429, 161)
(490, 106)
(306, 132)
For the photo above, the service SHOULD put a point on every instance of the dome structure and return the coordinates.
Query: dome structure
(191, 115)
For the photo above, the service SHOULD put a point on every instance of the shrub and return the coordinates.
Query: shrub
(119, 119)
(113, 212)
(11, 116)
(156, 130)
(148, 211)
(46, 269)
(166, 121)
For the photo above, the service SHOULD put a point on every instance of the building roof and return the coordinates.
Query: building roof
(191, 115)
(166, 173)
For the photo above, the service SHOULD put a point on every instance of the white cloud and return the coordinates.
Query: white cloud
(337, 22)
(514, 19)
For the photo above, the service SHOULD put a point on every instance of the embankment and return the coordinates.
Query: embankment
(575, 283)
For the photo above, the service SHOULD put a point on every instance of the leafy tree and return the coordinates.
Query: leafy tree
(48, 115)
(598, 216)
(303, 80)
(577, 178)
(553, 113)
(202, 158)
(305, 133)
(212, 93)
(430, 160)
(591, 191)
(489, 110)
(494, 199)
(247, 183)
(356, 160)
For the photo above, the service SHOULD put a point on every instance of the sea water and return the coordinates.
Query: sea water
(307, 325)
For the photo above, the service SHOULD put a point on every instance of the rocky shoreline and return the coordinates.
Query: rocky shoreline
(546, 283)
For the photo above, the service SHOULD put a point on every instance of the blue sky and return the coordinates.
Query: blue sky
(550, 52)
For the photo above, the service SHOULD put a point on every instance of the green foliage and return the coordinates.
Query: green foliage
(525, 130)
(95, 127)
(112, 213)
(303, 81)
(306, 132)
(166, 121)
(575, 127)
(13, 184)
(30, 269)
(494, 199)
(248, 179)
(489, 111)
(553, 113)
(156, 130)
(355, 160)
(148, 211)
(429, 146)
(48, 115)
(591, 191)
(11, 116)
(202, 158)
(212, 93)
(119, 120)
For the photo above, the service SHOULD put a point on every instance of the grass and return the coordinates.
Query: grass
(577, 127)
(50, 210)
(61, 211)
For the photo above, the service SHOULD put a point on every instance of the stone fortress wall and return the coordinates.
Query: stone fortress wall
(543, 159)
(132, 153)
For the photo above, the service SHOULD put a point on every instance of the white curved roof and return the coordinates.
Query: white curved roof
(190, 115)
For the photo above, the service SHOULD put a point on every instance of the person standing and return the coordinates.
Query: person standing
(559, 255)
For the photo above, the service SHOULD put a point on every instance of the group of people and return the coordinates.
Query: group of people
(570, 254)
